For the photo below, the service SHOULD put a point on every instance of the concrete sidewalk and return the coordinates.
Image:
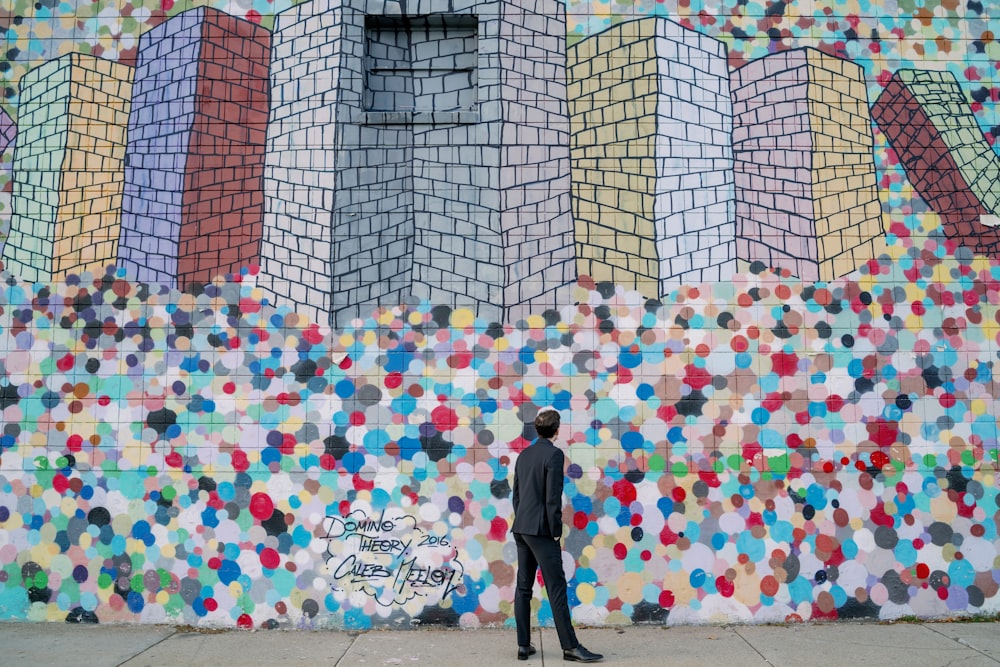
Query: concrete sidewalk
(836, 644)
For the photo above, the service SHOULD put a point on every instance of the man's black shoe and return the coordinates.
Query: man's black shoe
(581, 654)
(524, 651)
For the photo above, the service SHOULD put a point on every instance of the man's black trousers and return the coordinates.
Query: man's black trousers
(534, 551)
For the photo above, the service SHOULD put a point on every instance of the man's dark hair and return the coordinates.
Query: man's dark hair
(547, 423)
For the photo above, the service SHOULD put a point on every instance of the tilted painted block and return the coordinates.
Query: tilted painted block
(8, 131)
(405, 160)
(68, 167)
(653, 187)
(927, 119)
(806, 197)
(193, 204)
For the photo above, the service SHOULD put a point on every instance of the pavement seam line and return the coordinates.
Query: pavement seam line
(173, 631)
(736, 632)
(340, 660)
(959, 641)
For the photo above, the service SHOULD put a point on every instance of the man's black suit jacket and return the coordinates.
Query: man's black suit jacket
(538, 487)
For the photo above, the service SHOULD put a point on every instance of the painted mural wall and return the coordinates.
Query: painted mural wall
(284, 282)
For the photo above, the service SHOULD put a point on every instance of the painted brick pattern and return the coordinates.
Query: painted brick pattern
(69, 168)
(927, 119)
(805, 177)
(310, 43)
(451, 187)
(8, 131)
(194, 181)
(653, 190)
(536, 222)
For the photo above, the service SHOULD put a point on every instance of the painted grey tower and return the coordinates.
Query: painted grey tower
(418, 149)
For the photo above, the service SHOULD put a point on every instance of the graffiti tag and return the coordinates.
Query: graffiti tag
(390, 558)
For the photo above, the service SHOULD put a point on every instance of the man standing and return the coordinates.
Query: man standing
(538, 487)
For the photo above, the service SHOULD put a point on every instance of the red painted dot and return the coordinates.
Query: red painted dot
(60, 483)
(269, 558)
(666, 599)
(240, 461)
(244, 621)
(725, 587)
(624, 491)
(211, 604)
(620, 551)
(261, 506)
(362, 484)
(498, 529)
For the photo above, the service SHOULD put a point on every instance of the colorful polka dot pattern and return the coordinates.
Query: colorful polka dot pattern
(760, 451)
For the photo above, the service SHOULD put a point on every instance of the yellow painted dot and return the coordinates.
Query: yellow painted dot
(585, 593)
(462, 317)
(536, 322)
(630, 588)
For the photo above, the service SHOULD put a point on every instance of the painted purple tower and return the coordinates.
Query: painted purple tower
(193, 182)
